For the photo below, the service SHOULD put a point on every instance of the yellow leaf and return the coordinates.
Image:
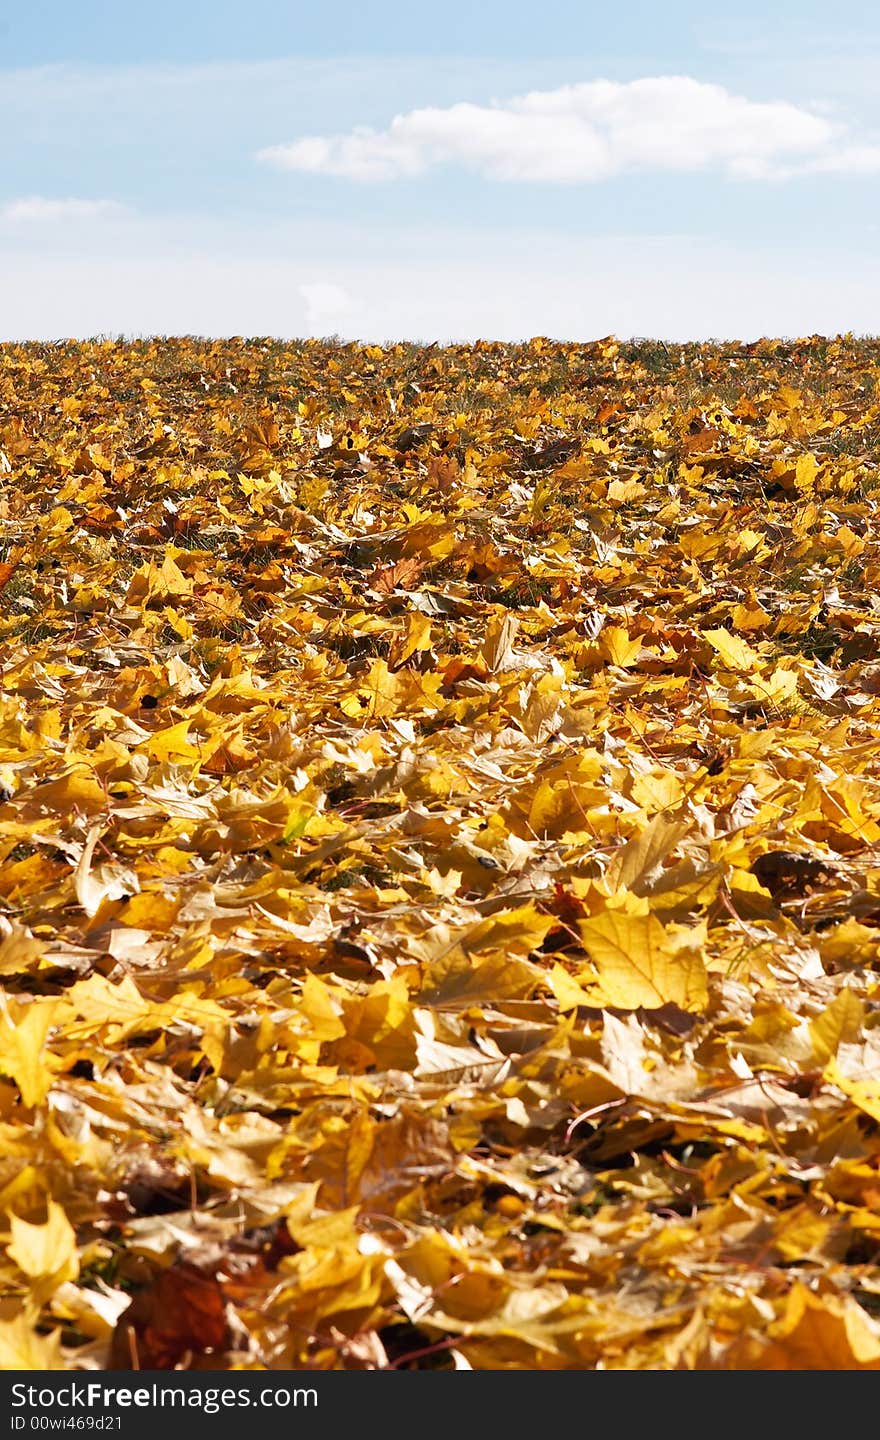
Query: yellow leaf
(699, 544)
(149, 911)
(382, 1020)
(806, 470)
(515, 932)
(865, 1094)
(750, 617)
(850, 944)
(850, 543)
(159, 582)
(625, 490)
(787, 397)
(23, 1033)
(751, 545)
(777, 688)
(98, 1003)
(553, 810)
(417, 635)
(498, 644)
(49, 725)
(116, 1011)
(632, 865)
(456, 978)
(205, 1015)
(440, 884)
(376, 696)
(171, 744)
(433, 538)
(21, 1348)
(618, 648)
(568, 992)
(336, 1231)
(735, 653)
(683, 888)
(802, 1234)
(317, 1005)
(45, 1250)
(19, 950)
(57, 521)
(417, 693)
(638, 966)
(540, 707)
(77, 789)
(179, 624)
(839, 1023)
(842, 806)
(657, 790)
(820, 1332)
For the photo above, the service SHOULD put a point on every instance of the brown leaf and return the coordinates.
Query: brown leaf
(444, 472)
(178, 1320)
(784, 872)
(9, 567)
(402, 575)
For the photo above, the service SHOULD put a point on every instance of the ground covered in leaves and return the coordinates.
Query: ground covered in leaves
(439, 872)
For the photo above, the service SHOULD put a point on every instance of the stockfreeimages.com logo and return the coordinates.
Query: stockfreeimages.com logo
(213, 1399)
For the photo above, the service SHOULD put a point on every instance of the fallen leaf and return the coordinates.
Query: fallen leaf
(637, 965)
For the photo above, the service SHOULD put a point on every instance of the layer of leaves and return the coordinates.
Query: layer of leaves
(439, 895)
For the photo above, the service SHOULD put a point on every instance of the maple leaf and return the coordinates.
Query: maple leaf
(45, 1251)
(403, 574)
(181, 1314)
(376, 696)
(24, 1032)
(450, 863)
(637, 965)
(813, 1333)
(9, 567)
(21, 1348)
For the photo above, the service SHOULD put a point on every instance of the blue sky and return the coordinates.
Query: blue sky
(439, 172)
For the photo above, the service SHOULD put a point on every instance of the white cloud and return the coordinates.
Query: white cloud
(37, 209)
(589, 132)
(326, 306)
(430, 284)
(849, 159)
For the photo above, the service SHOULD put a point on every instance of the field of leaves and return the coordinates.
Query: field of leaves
(440, 856)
